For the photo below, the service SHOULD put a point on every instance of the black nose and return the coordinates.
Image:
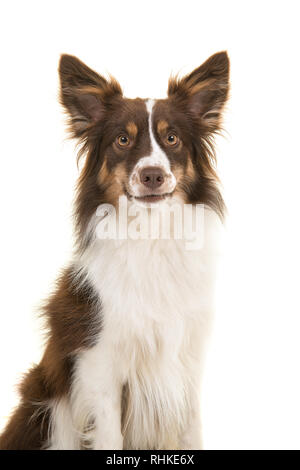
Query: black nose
(152, 177)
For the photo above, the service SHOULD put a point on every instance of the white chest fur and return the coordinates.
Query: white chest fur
(156, 300)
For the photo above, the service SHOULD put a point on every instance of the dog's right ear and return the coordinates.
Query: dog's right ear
(84, 94)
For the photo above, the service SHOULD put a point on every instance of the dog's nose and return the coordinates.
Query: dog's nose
(152, 177)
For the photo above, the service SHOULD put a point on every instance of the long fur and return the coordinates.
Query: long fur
(129, 319)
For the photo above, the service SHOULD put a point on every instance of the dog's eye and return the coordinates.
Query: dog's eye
(123, 140)
(172, 139)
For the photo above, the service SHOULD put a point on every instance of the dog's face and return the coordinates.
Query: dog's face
(148, 150)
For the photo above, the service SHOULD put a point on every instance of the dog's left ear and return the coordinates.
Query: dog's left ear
(204, 91)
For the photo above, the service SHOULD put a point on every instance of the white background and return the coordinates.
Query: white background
(252, 385)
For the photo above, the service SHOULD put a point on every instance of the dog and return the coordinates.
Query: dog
(129, 318)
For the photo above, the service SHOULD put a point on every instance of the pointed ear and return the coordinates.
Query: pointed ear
(84, 94)
(205, 90)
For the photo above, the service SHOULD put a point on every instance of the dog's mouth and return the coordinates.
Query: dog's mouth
(150, 198)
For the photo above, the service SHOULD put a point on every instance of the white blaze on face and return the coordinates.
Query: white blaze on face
(157, 158)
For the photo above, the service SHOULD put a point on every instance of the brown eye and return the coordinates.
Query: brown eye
(123, 141)
(172, 139)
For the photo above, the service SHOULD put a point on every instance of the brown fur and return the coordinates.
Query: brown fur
(103, 173)
(98, 114)
(73, 325)
(162, 127)
(132, 129)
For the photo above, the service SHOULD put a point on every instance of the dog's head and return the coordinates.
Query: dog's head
(148, 150)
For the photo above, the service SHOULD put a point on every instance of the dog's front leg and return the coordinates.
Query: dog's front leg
(100, 388)
(191, 436)
(108, 434)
